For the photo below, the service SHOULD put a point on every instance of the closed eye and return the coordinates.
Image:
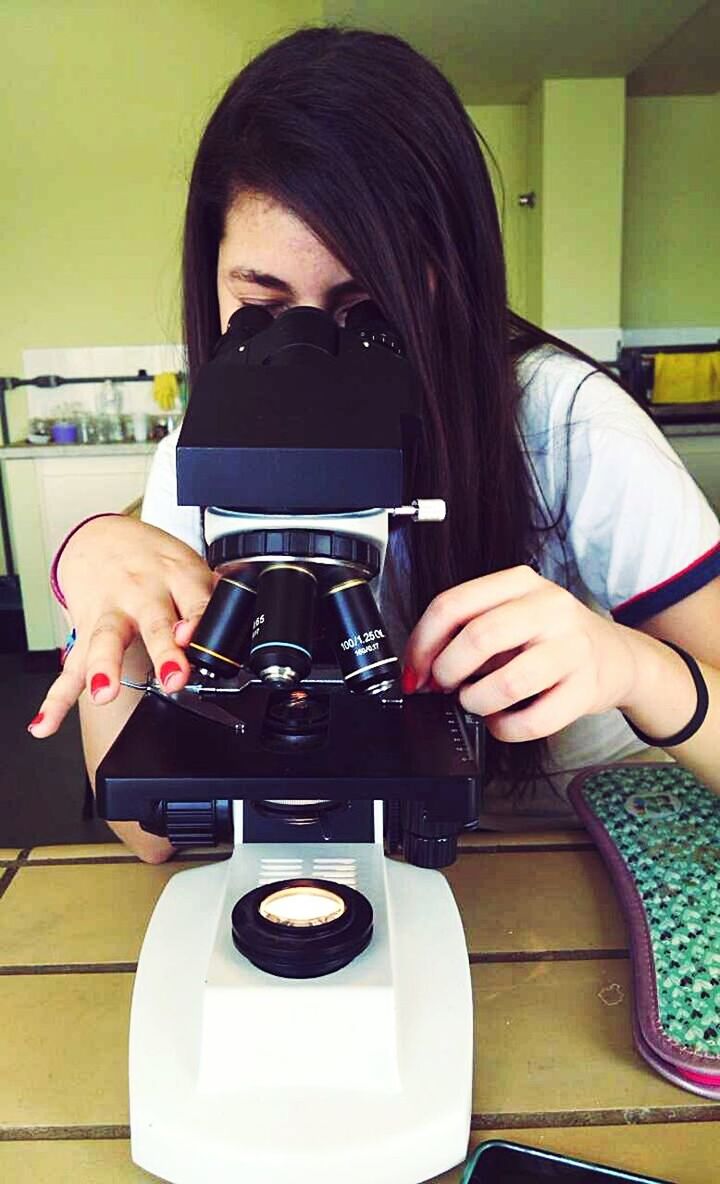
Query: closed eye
(276, 307)
(273, 306)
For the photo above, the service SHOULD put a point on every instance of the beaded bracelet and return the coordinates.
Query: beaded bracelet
(54, 585)
(701, 709)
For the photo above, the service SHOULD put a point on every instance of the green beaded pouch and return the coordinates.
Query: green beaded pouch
(658, 830)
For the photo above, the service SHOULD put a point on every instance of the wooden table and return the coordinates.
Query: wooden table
(554, 1061)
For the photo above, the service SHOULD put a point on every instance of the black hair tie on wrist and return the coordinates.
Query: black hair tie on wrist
(701, 710)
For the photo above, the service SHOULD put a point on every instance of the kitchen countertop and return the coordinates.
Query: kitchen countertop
(24, 451)
(21, 450)
(555, 1065)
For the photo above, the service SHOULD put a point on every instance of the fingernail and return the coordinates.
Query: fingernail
(409, 681)
(98, 683)
(167, 670)
(37, 720)
(176, 626)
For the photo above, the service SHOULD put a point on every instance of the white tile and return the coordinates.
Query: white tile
(104, 361)
(602, 344)
(684, 335)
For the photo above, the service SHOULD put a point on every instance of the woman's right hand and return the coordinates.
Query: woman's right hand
(122, 580)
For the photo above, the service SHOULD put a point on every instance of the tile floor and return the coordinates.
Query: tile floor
(554, 1062)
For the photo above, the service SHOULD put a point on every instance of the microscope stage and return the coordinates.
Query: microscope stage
(368, 749)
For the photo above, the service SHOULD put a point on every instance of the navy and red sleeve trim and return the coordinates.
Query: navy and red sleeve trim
(671, 591)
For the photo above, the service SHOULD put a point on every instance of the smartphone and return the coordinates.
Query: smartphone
(498, 1162)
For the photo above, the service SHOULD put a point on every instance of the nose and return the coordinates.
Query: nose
(310, 302)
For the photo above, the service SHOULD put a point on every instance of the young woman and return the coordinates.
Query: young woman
(341, 165)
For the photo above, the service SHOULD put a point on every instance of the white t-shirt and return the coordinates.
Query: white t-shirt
(635, 534)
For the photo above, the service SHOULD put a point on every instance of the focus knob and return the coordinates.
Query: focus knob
(429, 852)
(196, 824)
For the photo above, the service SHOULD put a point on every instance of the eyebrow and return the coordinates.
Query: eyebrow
(250, 276)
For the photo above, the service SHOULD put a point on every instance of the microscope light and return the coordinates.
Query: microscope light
(302, 907)
(302, 928)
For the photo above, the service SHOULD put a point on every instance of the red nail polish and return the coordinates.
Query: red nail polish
(98, 683)
(37, 720)
(409, 681)
(167, 670)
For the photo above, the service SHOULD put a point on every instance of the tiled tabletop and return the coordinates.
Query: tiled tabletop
(554, 1061)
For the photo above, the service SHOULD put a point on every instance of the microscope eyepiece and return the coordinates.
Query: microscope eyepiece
(367, 320)
(242, 326)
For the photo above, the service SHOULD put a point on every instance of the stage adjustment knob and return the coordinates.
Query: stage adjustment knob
(427, 841)
(197, 824)
(429, 852)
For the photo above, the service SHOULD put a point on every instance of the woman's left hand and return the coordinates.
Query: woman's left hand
(513, 636)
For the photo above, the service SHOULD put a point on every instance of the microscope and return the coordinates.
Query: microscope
(302, 1010)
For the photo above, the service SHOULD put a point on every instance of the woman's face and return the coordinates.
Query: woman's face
(270, 258)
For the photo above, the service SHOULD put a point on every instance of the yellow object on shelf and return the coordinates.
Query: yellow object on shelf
(166, 390)
(687, 378)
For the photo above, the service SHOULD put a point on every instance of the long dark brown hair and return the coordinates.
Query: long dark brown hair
(369, 145)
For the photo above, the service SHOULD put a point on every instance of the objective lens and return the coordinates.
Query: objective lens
(302, 907)
(281, 639)
(362, 646)
(219, 640)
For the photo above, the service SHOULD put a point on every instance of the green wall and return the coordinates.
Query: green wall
(100, 115)
(577, 147)
(533, 234)
(671, 261)
(626, 228)
(104, 106)
(505, 130)
(100, 118)
(102, 112)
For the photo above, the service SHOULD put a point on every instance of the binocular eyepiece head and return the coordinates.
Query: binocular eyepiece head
(302, 328)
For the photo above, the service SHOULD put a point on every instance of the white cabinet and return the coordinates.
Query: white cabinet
(46, 496)
(701, 454)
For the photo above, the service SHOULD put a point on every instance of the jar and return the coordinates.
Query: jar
(115, 429)
(86, 429)
(140, 426)
(102, 429)
(64, 432)
(39, 431)
(109, 400)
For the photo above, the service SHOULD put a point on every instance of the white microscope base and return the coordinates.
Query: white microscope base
(410, 1125)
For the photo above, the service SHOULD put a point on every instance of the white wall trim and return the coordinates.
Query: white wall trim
(601, 344)
(687, 335)
(604, 344)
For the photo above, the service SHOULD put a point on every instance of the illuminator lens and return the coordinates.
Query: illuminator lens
(302, 906)
(302, 928)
